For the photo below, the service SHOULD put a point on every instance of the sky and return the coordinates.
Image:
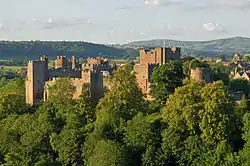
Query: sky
(123, 21)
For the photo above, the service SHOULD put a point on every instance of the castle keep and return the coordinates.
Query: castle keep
(149, 60)
(39, 77)
(37, 74)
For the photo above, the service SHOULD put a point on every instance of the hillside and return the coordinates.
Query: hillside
(34, 49)
(206, 48)
(29, 50)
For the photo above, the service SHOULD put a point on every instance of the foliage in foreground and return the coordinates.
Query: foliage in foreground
(199, 124)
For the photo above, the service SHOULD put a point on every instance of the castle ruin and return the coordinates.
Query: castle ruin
(39, 77)
(62, 62)
(149, 60)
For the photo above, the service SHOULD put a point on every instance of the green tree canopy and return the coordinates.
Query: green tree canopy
(61, 91)
(239, 85)
(119, 105)
(246, 58)
(195, 63)
(165, 79)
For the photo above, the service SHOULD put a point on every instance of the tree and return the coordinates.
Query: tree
(122, 103)
(70, 141)
(245, 153)
(186, 67)
(15, 86)
(246, 58)
(221, 155)
(107, 153)
(165, 79)
(220, 72)
(85, 107)
(131, 64)
(216, 113)
(200, 114)
(192, 151)
(125, 98)
(11, 103)
(62, 91)
(138, 135)
(182, 109)
(195, 63)
(12, 98)
(239, 85)
(221, 56)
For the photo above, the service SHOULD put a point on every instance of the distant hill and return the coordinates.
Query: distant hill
(196, 48)
(30, 50)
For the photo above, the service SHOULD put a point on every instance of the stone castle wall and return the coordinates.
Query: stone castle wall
(92, 80)
(143, 76)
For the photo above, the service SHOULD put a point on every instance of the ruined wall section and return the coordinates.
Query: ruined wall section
(98, 67)
(65, 73)
(62, 62)
(89, 79)
(98, 61)
(173, 53)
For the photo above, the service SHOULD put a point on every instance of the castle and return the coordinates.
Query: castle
(91, 74)
(39, 77)
(149, 60)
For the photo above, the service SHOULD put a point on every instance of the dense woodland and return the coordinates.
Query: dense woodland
(27, 50)
(188, 123)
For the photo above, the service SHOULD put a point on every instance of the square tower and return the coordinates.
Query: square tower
(35, 81)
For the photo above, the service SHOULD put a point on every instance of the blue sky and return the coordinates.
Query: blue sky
(121, 21)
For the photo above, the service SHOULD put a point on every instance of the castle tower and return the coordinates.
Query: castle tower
(201, 74)
(46, 64)
(35, 80)
(160, 55)
(73, 62)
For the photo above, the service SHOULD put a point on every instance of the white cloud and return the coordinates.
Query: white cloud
(152, 2)
(212, 27)
(50, 20)
(235, 3)
(64, 23)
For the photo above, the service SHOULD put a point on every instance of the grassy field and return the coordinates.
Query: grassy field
(51, 64)
(119, 60)
(11, 68)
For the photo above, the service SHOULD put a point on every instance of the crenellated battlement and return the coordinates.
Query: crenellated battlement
(159, 55)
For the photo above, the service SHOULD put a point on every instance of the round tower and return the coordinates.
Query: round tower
(201, 74)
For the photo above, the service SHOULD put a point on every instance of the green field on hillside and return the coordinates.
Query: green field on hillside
(11, 68)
